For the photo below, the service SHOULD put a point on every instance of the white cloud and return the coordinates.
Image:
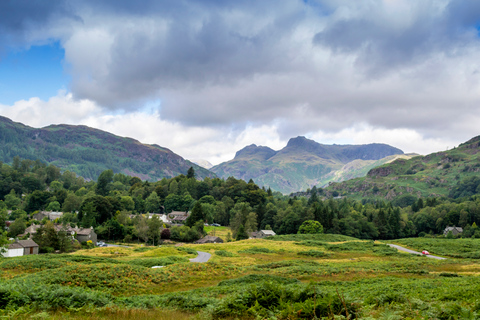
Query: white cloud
(408, 140)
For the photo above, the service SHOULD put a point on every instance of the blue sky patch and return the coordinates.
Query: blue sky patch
(34, 72)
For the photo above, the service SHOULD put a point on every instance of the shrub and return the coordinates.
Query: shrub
(187, 250)
(313, 253)
(448, 275)
(310, 227)
(256, 278)
(165, 234)
(46, 250)
(164, 261)
(143, 249)
(255, 250)
(224, 253)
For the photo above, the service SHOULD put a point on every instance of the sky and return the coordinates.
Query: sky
(207, 78)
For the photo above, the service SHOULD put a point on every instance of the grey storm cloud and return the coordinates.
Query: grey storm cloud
(382, 45)
(20, 20)
(308, 65)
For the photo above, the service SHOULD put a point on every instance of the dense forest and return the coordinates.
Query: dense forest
(114, 203)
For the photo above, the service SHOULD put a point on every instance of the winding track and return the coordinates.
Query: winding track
(413, 252)
(202, 257)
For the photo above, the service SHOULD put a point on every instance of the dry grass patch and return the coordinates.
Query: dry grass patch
(249, 244)
(107, 252)
(135, 314)
(164, 251)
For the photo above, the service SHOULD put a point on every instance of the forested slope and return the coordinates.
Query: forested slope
(88, 152)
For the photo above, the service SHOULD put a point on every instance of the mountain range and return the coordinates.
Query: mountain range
(452, 173)
(304, 163)
(88, 152)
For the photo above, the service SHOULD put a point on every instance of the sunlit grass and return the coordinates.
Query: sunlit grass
(363, 262)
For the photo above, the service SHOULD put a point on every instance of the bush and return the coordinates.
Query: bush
(224, 253)
(256, 278)
(165, 234)
(164, 261)
(310, 227)
(46, 250)
(313, 253)
(187, 250)
(143, 249)
(255, 250)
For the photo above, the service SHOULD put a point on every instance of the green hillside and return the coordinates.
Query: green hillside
(452, 173)
(88, 152)
(304, 163)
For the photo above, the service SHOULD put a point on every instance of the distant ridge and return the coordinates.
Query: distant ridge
(88, 151)
(453, 173)
(302, 163)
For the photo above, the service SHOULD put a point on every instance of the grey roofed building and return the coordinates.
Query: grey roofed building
(81, 234)
(209, 239)
(21, 248)
(254, 235)
(51, 215)
(32, 229)
(178, 216)
(86, 234)
(29, 246)
(454, 230)
(266, 233)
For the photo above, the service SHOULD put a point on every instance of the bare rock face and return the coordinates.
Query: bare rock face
(380, 172)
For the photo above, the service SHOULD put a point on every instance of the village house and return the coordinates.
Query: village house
(86, 234)
(51, 215)
(209, 239)
(80, 234)
(31, 230)
(267, 233)
(178, 216)
(163, 217)
(261, 234)
(454, 230)
(21, 248)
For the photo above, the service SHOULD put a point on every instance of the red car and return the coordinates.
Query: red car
(425, 252)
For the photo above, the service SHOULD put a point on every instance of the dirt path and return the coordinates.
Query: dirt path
(413, 252)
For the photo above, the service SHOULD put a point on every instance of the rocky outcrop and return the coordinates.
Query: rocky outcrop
(380, 172)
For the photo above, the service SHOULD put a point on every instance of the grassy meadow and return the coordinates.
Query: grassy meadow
(286, 277)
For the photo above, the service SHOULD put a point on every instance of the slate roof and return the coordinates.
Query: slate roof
(178, 213)
(210, 239)
(27, 243)
(179, 218)
(84, 231)
(15, 245)
(268, 232)
(448, 229)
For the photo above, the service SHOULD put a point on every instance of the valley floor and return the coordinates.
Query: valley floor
(292, 277)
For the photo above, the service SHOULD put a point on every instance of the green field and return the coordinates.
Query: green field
(294, 277)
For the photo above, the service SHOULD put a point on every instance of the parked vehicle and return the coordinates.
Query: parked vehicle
(425, 252)
(101, 244)
(215, 225)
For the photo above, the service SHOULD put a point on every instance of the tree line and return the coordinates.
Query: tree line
(114, 205)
